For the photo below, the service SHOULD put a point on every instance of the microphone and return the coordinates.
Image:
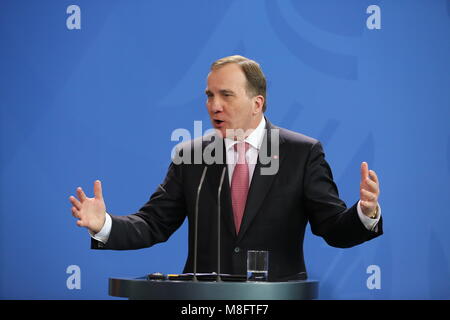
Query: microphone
(196, 222)
(218, 222)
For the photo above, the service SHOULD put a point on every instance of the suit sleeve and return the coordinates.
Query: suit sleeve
(327, 213)
(155, 222)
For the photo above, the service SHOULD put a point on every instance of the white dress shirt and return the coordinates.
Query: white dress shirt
(254, 140)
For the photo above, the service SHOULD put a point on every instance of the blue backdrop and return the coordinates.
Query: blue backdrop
(96, 91)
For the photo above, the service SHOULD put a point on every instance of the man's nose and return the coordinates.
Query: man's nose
(216, 105)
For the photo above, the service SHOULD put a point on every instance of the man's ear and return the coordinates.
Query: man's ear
(258, 103)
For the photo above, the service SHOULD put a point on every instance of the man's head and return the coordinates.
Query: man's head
(236, 91)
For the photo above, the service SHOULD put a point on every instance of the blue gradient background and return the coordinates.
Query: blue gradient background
(102, 102)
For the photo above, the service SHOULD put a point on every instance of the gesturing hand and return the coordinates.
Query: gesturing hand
(369, 190)
(90, 211)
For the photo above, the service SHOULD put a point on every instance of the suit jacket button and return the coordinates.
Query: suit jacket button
(237, 249)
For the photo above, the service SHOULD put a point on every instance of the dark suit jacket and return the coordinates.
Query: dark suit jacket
(278, 209)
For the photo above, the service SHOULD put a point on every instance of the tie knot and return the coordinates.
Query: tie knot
(241, 148)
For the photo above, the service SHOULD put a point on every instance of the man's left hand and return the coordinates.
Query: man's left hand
(369, 190)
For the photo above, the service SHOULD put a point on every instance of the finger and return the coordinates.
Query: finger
(75, 213)
(370, 185)
(81, 194)
(368, 196)
(364, 171)
(80, 223)
(98, 190)
(75, 202)
(373, 176)
(367, 206)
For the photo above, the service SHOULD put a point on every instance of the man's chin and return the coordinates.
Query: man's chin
(225, 133)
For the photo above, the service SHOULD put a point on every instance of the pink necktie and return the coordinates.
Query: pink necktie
(239, 184)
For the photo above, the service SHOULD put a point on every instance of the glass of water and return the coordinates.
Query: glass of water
(257, 265)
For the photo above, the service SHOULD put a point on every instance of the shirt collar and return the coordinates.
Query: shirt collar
(254, 139)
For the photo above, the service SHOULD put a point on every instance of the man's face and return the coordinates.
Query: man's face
(229, 105)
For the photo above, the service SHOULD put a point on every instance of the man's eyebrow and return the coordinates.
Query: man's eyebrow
(226, 91)
(222, 91)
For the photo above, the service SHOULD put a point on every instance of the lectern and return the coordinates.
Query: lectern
(144, 289)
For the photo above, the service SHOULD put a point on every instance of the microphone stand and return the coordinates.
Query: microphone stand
(218, 223)
(196, 223)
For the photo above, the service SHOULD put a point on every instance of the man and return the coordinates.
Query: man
(259, 211)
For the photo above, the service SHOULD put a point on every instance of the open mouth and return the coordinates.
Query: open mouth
(218, 122)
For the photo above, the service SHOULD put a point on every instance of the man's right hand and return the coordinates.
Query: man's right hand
(90, 212)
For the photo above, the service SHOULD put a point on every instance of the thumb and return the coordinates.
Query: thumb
(364, 171)
(98, 190)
